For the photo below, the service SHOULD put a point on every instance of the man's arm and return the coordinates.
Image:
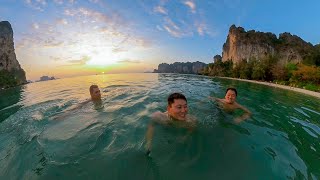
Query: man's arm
(244, 116)
(69, 110)
(215, 99)
(149, 136)
(157, 117)
(190, 125)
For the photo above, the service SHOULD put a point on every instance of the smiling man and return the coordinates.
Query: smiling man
(176, 115)
(229, 104)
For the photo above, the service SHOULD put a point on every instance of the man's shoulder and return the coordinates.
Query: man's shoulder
(159, 116)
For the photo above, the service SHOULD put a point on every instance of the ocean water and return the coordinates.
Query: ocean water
(44, 134)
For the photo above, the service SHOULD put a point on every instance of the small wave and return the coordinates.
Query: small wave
(116, 86)
(310, 110)
(302, 112)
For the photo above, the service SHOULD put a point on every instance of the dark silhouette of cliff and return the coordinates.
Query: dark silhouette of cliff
(181, 67)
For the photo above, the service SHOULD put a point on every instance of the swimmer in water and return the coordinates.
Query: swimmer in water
(176, 114)
(95, 98)
(229, 104)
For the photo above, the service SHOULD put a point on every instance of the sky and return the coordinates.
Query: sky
(65, 38)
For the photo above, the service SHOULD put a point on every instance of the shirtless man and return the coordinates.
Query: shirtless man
(95, 98)
(176, 114)
(229, 104)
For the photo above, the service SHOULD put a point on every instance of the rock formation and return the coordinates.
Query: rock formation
(181, 67)
(8, 60)
(241, 44)
(217, 58)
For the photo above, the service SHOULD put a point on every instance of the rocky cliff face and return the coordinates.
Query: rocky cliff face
(241, 44)
(181, 67)
(8, 60)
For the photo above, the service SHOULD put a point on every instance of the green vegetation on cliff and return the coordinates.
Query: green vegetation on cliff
(302, 75)
(10, 79)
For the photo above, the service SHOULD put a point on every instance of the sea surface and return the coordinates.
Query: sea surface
(47, 132)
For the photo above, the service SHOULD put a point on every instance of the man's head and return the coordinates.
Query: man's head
(95, 92)
(177, 106)
(231, 95)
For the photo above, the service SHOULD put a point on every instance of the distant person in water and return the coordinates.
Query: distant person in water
(95, 96)
(176, 114)
(95, 93)
(95, 99)
(229, 104)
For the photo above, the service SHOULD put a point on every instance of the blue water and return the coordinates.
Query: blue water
(41, 138)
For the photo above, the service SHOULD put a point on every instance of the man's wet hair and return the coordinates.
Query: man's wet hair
(174, 96)
(232, 89)
(92, 87)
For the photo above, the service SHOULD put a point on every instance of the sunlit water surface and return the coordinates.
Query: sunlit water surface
(41, 139)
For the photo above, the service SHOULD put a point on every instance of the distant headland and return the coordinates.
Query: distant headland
(46, 78)
(181, 67)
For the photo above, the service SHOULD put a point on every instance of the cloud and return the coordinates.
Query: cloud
(62, 21)
(160, 9)
(80, 61)
(86, 15)
(94, 1)
(69, 12)
(58, 1)
(171, 24)
(159, 28)
(191, 5)
(35, 25)
(51, 43)
(201, 28)
(42, 4)
(56, 59)
(174, 30)
(36, 4)
(119, 49)
(130, 61)
(81, 31)
(42, 35)
(183, 24)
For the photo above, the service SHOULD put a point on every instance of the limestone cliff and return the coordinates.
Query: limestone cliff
(181, 67)
(8, 60)
(241, 44)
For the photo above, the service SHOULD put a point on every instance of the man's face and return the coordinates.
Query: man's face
(95, 94)
(230, 97)
(178, 109)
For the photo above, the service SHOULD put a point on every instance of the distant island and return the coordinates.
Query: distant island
(287, 60)
(181, 67)
(11, 74)
(46, 78)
